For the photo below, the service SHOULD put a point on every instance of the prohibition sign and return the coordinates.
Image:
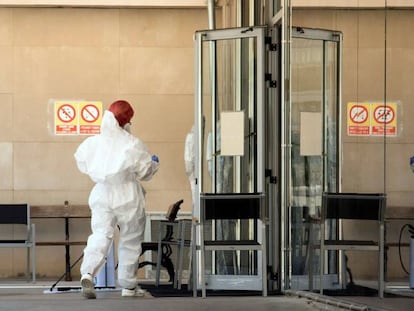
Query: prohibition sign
(66, 113)
(384, 114)
(358, 114)
(90, 113)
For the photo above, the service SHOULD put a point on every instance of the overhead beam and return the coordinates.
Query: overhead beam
(107, 3)
(352, 4)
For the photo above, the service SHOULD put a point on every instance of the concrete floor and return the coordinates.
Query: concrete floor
(19, 296)
(398, 297)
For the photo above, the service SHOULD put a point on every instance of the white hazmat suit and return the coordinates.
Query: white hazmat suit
(189, 161)
(116, 161)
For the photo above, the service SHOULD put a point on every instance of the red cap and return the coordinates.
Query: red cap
(122, 111)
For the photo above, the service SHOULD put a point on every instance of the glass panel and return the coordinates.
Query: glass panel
(307, 69)
(314, 153)
(374, 61)
(228, 85)
(276, 6)
(307, 97)
(331, 115)
(399, 68)
(285, 145)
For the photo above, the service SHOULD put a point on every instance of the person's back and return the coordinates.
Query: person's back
(111, 155)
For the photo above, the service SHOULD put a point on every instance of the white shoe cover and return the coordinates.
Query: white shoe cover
(88, 287)
(137, 292)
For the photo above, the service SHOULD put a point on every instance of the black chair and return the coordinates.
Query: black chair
(166, 249)
(19, 215)
(359, 207)
(172, 234)
(235, 206)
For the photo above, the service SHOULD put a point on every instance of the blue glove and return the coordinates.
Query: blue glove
(412, 163)
(155, 159)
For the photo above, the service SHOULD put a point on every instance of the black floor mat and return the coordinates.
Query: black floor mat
(167, 290)
(355, 290)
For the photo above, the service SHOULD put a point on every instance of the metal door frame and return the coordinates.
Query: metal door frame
(279, 249)
(240, 281)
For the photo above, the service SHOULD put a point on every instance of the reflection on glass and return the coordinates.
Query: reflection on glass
(307, 96)
(228, 86)
(314, 68)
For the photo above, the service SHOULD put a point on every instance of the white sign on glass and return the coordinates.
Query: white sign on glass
(232, 133)
(310, 133)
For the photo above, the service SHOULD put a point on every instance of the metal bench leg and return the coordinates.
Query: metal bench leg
(194, 258)
(322, 258)
(264, 261)
(33, 254)
(202, 263)
(180, 256)
(159, 255)
(381, 281)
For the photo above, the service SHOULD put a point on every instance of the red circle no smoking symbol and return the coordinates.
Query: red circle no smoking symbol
(384, 114)
(90, 113)
(66, 113)
(358, 114)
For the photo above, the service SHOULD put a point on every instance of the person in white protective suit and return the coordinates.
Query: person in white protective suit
(116, 161)
(189, 161)
(225, 228)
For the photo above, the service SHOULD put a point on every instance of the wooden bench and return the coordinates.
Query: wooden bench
(65, 212)
(68, 212)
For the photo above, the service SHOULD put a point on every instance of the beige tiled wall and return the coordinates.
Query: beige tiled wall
(142, 55)
(146, 57)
